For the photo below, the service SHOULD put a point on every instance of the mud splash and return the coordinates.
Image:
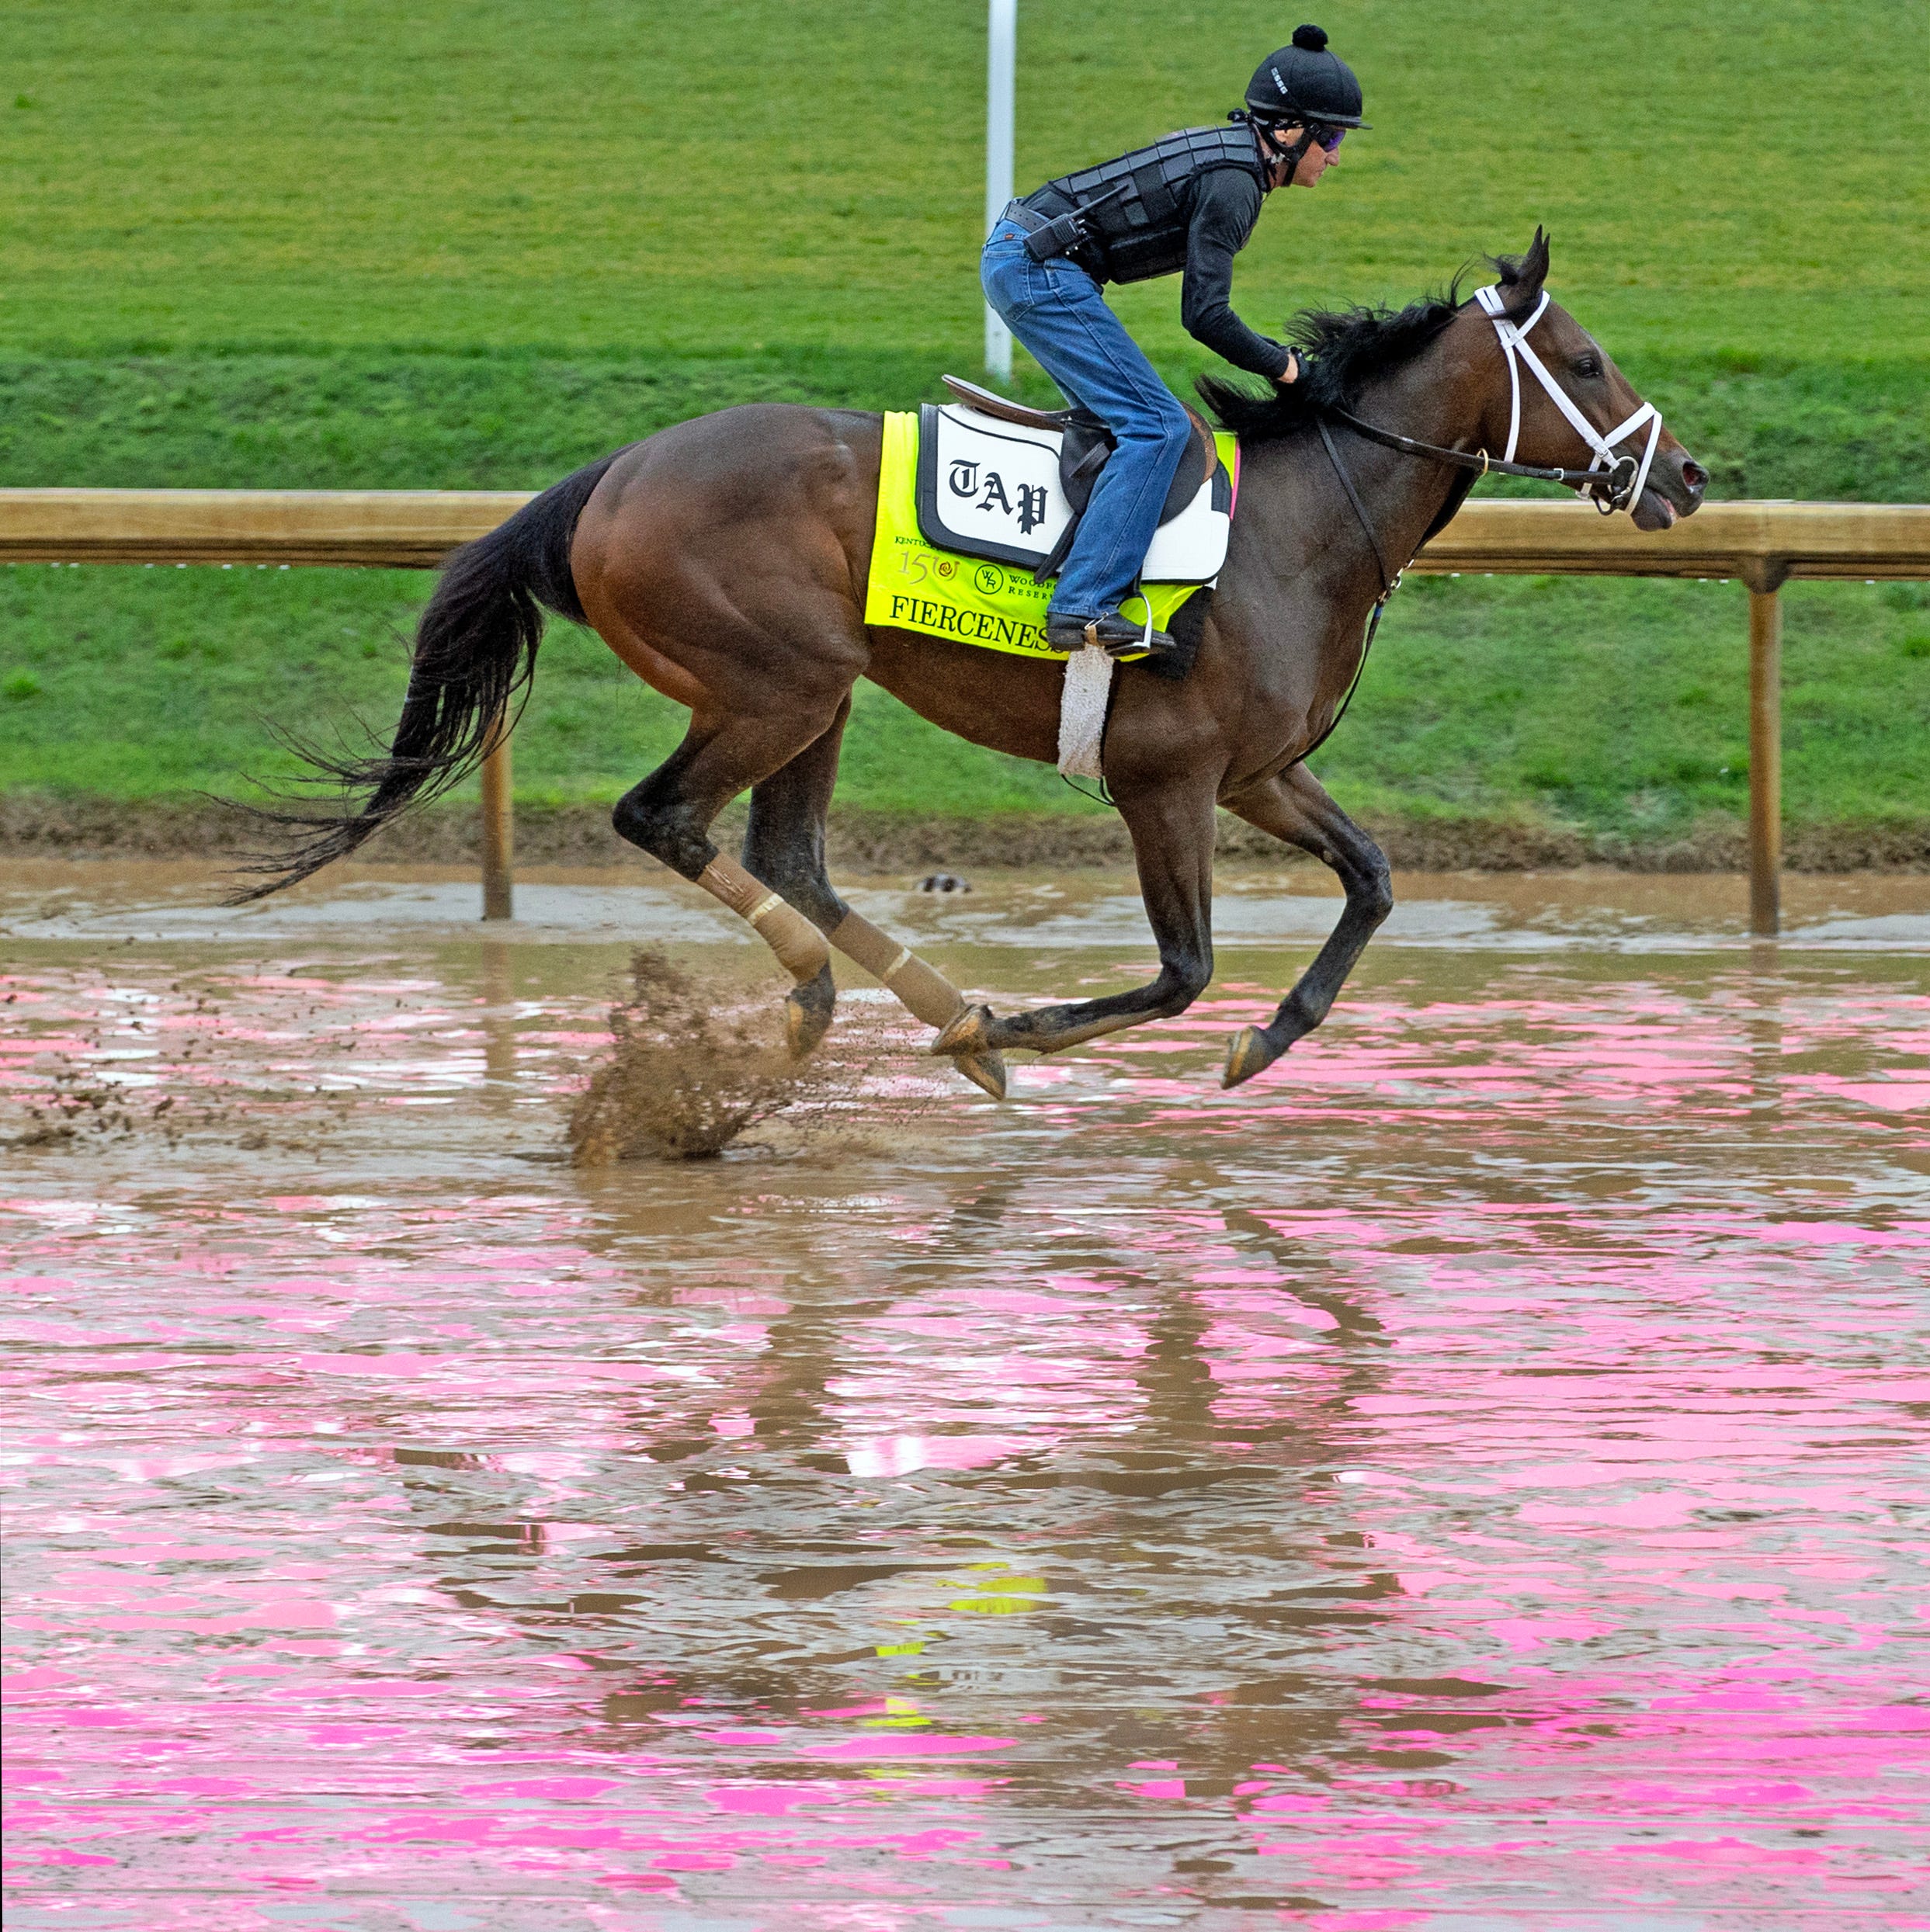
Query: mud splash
(686, 1075)
(694, 1063)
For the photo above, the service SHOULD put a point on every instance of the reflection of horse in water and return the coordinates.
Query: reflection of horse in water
(725, 560)
(1158, 1487)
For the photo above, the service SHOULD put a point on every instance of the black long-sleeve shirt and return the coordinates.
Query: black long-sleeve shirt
(1227, 202)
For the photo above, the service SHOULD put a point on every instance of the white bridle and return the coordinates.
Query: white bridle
(1514, 341)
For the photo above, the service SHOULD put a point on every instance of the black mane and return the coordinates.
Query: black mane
(1341, 349)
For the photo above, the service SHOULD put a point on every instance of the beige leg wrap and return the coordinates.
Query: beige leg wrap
(798, 945)
(924, 990)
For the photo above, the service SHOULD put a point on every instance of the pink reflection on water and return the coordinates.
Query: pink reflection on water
(1471, 1467)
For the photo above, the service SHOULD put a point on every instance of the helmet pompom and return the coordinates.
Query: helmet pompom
(1305, 82)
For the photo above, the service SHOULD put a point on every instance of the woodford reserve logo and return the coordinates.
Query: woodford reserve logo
(944, 597)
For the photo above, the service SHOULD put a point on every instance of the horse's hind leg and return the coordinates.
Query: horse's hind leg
(784, 845)
(1293, 807)
(669, 816)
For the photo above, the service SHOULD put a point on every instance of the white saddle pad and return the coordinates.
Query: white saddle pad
(991, 490)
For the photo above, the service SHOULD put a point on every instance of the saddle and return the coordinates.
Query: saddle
(1086, 446)
(1015, 495)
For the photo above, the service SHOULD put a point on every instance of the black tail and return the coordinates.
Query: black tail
(475, 655)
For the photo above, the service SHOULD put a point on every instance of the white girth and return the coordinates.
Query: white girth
(1514, 341)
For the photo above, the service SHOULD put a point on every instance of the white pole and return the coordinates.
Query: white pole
(1001, 62)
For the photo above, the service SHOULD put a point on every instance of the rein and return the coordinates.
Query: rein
(1611, 483)
(1477, 460)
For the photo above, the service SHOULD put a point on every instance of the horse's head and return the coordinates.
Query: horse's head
(1560, 400)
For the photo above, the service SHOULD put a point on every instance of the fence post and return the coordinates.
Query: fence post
(1765, 580)
(499, 827)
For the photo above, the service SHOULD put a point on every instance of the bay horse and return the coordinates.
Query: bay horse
(724, 561)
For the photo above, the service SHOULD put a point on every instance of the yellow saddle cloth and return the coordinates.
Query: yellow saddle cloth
(913, 586)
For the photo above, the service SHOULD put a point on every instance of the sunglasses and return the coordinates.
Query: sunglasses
(1329, 138)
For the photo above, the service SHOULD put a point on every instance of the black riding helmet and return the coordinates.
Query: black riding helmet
(1304, 85)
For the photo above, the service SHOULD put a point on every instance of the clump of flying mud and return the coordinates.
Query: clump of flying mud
(71, 1106)
(201, 1088)
(75, 1108)
(691, 1067)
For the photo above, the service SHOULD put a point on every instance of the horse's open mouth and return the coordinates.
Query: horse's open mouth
(1655, 511)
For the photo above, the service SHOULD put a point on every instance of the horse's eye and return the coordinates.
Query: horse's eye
(1588, 366)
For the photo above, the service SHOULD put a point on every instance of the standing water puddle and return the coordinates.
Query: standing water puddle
(1468, 1478)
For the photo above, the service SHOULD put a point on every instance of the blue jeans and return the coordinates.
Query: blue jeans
(1055, 308)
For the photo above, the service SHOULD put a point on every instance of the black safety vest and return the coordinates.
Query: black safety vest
(1142, 232)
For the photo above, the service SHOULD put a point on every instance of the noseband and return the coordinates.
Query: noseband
(1622, 486)
(1610, 482)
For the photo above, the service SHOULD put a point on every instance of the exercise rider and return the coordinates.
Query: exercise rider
(1188, 202)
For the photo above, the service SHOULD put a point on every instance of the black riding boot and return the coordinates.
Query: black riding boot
(1117, 635)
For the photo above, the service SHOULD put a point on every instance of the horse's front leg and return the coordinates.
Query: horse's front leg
(1293, 807)
(1172, 830)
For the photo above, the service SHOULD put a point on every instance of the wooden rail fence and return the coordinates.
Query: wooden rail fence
(1763, 544)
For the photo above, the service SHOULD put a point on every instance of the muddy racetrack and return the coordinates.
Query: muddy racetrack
(1462, 1479)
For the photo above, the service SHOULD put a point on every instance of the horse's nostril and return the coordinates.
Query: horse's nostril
(1694, 475)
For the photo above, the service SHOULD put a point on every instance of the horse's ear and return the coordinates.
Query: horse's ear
(1523, 278)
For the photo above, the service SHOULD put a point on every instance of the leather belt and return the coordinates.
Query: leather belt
(1066, 238)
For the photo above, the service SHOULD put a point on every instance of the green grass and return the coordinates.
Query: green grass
(1486, 699)
(353, 244)
(169, 683)
(756, 174)
(1769, 428)
(1622, 707)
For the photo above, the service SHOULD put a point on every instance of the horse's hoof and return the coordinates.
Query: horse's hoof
(1249, 1051)
(807, 1011)
(965, 1034)
(985, 1070)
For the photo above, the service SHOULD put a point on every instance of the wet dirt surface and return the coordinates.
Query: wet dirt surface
(1470, 1477)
